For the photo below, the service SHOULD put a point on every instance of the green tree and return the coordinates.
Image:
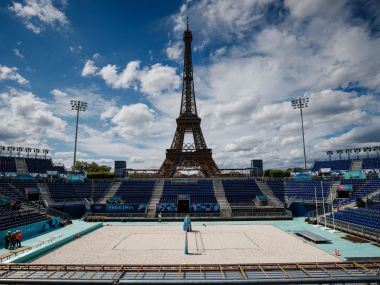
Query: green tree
(276, 173)
(92, 167)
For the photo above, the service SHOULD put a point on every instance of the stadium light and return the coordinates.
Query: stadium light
(79, 106)
(301, 103)
(36, 152)
(367, 150)
(19, 150)
(348, 152)
(376, 148)
(357, 150)
(10, 149)
(339, 152)
(329, 153)
(45, 152)
(28, 150)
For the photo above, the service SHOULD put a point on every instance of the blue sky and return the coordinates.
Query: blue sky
(250, 58)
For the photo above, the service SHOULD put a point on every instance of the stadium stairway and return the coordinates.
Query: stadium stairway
(364, 198)
(332, 193)
(155, 198)
(356, 164)
(45, 194)
(114, 187)
(267, 191)
(21, 165)
(225, 209)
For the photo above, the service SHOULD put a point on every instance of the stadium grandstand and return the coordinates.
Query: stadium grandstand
(189, 221)
(54, 208)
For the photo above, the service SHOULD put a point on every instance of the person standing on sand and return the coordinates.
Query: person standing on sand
(7, 239)
(159, 217)
(13, 241)
(18, 238)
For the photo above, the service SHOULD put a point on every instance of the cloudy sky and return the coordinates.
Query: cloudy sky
(250, 58)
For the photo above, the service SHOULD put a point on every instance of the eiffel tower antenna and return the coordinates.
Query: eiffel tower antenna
(188, 155)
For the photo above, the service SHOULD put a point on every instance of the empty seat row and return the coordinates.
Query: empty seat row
(239, 192)
(200, 192)
(135, 191)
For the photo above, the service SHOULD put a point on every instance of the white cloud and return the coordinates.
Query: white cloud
(215, 20)
(305, 8)
(132, 120)
(27, 119)
(97, 104)
(37, 14)
(174, 51)
(109, 112)
(10, 73)
(125, 79)
(263, 60)
(158, 79)
(18, 53)
(89, 69)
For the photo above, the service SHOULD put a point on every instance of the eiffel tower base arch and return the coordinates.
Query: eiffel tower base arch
(197, 159)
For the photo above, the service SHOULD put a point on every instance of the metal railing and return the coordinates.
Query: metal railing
(358, 230)
(14, 254)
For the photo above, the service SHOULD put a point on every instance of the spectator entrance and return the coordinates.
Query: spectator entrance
(183, 203)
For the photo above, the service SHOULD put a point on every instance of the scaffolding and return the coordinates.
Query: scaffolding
(287, 273)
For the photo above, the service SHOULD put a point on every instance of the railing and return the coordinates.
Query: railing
(247, 214)
(54, 212)
(358, 230)
(117, 215)
(8, 256)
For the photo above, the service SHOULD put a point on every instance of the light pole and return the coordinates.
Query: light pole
(77, 106)
(348, 151)
(339, 152)
(301, 103)
(329, 153)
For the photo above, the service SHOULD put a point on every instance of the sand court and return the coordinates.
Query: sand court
(164, 244)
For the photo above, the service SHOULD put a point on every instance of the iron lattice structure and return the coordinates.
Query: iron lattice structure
(183, 155)
(270, 273)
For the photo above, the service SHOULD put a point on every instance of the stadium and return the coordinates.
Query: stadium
(190, 221)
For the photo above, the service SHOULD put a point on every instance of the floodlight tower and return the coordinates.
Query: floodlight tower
(339, 152)
(377, 149)
(329, 153)
(79, 106)
(301, 103)
(357, 150)
(367, 150)
(348, 152)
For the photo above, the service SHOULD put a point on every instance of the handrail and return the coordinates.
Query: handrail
(30, 248)
(57, 213)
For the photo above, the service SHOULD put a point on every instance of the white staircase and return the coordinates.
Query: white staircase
(332, 193)
(45, 194)
(111, 192)
(155, 199)
(21, 165)
(225, 209)
(364, 198)
(267, 191)
(356, 164)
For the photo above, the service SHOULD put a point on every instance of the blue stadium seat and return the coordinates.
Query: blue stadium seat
(305, 190)
(241, 192)
(335, 165)
(7, 164)
(201, 192)
(371, 163)
(135, 191)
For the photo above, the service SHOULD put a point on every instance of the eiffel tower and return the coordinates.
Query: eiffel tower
(183, 155)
